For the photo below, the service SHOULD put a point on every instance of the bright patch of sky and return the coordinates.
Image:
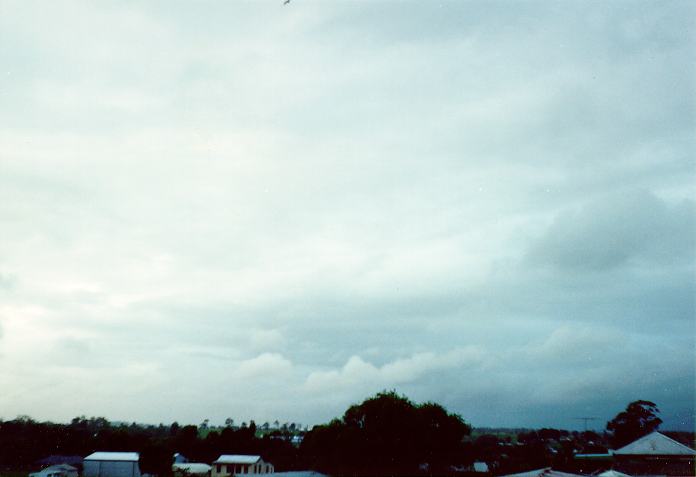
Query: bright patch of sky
(264, 211)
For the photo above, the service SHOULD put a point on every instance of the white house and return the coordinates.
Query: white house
(60, 470)
(111, 464)
(234, 465)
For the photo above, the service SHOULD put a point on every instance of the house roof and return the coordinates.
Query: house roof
(612, 473)
(545, 472)
(237, 459)
(65, 467)
(655, 444)
(114, 456)
(192, 467)
(53, 469)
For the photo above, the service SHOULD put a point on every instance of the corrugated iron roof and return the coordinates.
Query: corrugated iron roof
(545, 472)
(192, 467)
(612, 473)
(114, 456)
(237, 459)
(655, 444)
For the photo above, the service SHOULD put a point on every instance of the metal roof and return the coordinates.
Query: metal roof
(114, 456)
(612, 473)
(237, 459)
(545, 472)
(192, 467)
(65, 467)
(655, 444)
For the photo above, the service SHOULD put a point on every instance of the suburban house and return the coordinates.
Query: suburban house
(111, 464)
(227, 465)
(59, 470)
(655, 454)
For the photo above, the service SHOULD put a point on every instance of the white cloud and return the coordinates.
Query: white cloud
(361, 376)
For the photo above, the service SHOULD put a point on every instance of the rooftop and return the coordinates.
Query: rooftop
(655, 444)
(114, 456)
(192, 467)
(237, 459)
(545, 472)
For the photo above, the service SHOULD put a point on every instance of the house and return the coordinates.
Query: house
(655, 454)
(112, 464)
(227, 465)
(59, 470)
(191, 469)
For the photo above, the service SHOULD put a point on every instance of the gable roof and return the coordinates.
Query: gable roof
(545, 472)
(114, 456)
(237, 459)
(613, 473)
(655, 444)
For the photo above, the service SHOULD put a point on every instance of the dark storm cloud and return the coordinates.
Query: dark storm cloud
(633, 227)
(462, 201)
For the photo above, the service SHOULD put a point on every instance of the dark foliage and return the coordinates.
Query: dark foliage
(639, 418)
(23, 442)
(388, 435)
(385, 435)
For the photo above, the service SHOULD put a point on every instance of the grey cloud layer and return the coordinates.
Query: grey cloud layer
(488, 205)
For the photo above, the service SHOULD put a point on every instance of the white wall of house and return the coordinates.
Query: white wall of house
(102, 468)
(220, 470)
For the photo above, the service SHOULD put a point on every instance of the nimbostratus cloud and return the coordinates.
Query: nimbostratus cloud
(462, 202)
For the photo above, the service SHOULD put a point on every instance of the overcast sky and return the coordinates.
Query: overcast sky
(262, 211)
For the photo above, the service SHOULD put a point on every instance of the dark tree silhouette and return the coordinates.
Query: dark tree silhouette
(639, 419)
(388, 435)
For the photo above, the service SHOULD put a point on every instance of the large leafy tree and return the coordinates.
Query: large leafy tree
(639, 418)
(389, 435)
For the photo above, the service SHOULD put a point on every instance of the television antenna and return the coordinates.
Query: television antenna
(586, 420)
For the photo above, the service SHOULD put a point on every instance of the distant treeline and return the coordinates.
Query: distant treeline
(387, 434)
(24, 441)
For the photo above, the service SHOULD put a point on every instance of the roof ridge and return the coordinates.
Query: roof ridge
(670, 439)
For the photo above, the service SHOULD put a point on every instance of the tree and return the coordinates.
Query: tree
(391, 435)
(639, 419)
